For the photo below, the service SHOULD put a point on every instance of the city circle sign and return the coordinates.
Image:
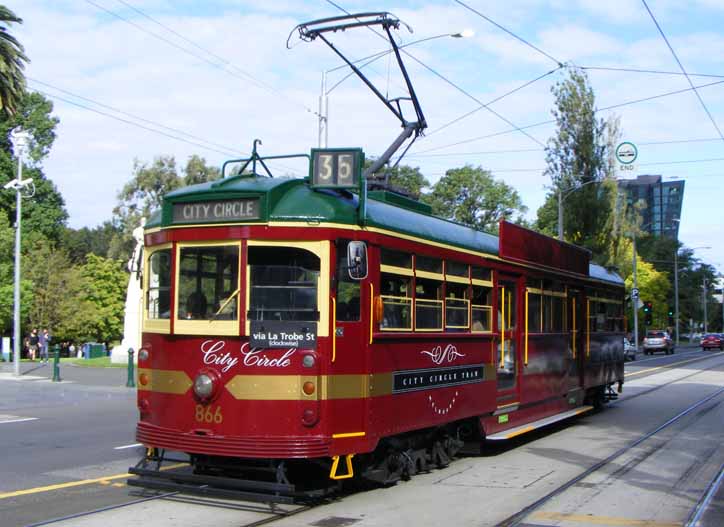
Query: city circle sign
(626, 153)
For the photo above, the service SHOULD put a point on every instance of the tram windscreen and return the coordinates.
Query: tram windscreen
(208, 283)
(283, 284)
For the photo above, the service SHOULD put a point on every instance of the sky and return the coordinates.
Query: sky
(136, 79)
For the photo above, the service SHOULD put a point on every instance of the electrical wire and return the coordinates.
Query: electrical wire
(698, 96)
(641, 70)
(222, 63)
(517, 37)
(446, 80)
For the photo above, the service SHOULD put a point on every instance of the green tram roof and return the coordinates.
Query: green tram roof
(293, 200)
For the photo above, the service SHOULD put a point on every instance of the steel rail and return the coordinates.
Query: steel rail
(519, 516)
(703, 504)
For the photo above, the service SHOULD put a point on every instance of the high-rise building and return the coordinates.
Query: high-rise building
(663, 201)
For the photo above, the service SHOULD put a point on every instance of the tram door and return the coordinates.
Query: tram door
(508, 356)
(576, 330)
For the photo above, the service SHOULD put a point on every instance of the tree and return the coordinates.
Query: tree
(403, 177)
(578, 159)
(97, 240)
(7, 286)
(473, 197)
(143, 195)
(12, 63)
(47, 268)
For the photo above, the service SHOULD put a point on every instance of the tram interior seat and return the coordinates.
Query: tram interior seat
(196, 305)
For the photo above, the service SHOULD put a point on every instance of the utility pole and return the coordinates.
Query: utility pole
(560, 214)
(676, 292)
(635, 301)
(323, 114)
(20, 140)
(704, 302)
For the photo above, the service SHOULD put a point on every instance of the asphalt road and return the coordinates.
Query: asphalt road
(66, 459)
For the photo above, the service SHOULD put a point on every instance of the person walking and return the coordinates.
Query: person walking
(44, 341)
(33, 341)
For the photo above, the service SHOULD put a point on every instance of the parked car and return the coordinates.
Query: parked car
(658, 340)
(711, 341)
(629, 351)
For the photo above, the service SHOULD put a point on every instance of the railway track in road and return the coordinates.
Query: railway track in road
(531, 510)
(261, 514)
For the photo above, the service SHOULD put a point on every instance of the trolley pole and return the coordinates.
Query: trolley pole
(635, 301)
(130, 383)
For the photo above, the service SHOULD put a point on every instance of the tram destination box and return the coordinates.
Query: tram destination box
(240, 209)
(278, 334)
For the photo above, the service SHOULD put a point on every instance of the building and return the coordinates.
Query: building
(663, 201)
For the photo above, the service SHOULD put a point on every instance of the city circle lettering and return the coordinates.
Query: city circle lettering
(214, 354)
(217, 210)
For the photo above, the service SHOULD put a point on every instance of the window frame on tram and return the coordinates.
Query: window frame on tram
(151, 323)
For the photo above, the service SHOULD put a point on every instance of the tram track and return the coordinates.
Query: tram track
(517, 518)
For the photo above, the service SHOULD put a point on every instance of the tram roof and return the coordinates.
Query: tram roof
(293, 200)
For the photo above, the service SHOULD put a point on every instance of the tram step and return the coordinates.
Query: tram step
(529, 427)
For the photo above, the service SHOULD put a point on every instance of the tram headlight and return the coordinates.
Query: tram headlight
(143, 354)
(308, 361)
(203, 386)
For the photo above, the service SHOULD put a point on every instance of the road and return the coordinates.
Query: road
(71, 446)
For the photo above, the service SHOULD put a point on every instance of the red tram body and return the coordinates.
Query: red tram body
(283, 321)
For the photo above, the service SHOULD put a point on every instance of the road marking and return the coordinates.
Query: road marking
(134, 445)
(602, 520)
(80, 483)
(669, 365)
(5, 419)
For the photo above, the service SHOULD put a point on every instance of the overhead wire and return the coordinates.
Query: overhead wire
(219, 62)
(681, 66)
(446, 80)
(642, 70)
(517, 37)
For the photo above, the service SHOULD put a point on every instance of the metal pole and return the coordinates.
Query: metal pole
(560, 214)
(676, 293)
(635, 301)
(16, 314)
(704, 302)
(130, 383)
(323, 131)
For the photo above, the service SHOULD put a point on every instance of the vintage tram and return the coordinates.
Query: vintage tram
(325, 328)
(297, 319)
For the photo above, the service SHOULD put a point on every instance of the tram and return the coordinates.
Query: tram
(317, 328)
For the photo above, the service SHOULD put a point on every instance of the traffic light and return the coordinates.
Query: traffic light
(671, 317)
(648, 312)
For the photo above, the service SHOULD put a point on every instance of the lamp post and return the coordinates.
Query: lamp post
(323, 126)
(562, 196)
(20, 140)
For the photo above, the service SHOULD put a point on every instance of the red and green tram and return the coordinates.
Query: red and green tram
(310, 322)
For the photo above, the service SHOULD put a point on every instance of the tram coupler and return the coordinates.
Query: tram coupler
(620, 387)
(335, 464)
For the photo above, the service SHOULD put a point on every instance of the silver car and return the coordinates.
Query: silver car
(629, 351)
(658, 340)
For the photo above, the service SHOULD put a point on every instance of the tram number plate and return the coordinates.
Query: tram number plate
(208, 414)
(277, 334)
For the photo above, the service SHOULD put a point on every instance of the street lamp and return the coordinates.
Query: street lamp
(562, 196)
(20, 140)
(323, 127)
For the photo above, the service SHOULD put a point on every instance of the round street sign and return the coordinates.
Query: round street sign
(634, 293)
(626, 153)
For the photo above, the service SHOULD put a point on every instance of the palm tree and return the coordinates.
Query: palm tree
(12, 63)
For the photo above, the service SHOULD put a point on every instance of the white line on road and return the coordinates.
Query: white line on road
(18, 420)
(134, 445)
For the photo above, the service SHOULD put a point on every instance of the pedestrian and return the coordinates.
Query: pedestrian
(44, 341)
(33, 341)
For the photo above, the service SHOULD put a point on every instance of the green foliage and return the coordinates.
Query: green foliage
(403, 177)
(472, 196)
(581, 169)
(80, 242)
(12, 63)
(143, 194)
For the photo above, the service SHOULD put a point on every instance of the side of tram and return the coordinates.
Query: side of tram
(277, 326)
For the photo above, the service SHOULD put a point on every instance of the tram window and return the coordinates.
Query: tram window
(158, 297)
(348, 290)
(535, 313)
(283, 284)
(396, 294)
(481, 309)
(430, 265)
(456, 269)
(481, 273)
(506, 304)
(395, 258)
(456, 307)
(506, 365)
(428, 304)
(208, 283)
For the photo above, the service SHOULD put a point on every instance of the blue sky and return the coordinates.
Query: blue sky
(102, 50)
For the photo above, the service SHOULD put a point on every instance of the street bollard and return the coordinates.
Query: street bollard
(56, 363)
(130, 383)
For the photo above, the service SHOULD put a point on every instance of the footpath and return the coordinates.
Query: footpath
(69, 373)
